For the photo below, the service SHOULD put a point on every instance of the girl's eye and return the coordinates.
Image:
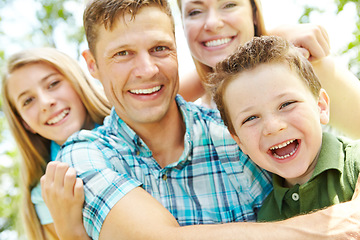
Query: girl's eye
(54, 83)
(27, 101)
(286, 104)
(230, 5)
(249, 119)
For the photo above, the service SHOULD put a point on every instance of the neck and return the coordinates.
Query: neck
(165, 138)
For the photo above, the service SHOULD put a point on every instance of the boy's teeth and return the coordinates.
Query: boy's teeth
(218, 42)
(58, 117)
(287, 155)
(146, 91)
(282, 145)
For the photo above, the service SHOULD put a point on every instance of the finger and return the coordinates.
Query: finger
(79, 190)
(357, 189)
(325, 37)
(50, 171)
(60, 175)
(304, 52)
(69, 181)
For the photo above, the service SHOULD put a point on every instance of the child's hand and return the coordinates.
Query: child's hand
(63, 194)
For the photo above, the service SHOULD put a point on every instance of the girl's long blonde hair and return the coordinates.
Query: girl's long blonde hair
(34, 149)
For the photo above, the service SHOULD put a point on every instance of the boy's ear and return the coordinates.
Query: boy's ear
(27, 127)
(324, 106)
(237, 140)
(91, 63)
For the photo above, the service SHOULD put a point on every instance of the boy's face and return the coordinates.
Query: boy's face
(277, 120)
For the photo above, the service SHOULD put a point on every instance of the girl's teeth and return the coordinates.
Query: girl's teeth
(58, 117)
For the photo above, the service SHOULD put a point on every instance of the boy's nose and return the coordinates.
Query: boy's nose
(273, 125)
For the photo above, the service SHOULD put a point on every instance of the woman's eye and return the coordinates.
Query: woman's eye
(249, 119)
(194, 13)
(230, 5)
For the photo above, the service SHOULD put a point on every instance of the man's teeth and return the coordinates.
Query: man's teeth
(282, 145)
(58, 117)
(218, 42)
(146, 91)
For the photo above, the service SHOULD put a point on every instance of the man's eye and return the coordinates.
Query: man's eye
(249, 119)
(122, 53)
(160, 48)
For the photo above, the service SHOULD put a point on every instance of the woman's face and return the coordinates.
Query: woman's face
(215, 28)
(46, 101)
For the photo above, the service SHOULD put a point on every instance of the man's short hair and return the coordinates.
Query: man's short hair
(107, 12)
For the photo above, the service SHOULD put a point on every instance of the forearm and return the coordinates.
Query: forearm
(139, 216)
(344, 91)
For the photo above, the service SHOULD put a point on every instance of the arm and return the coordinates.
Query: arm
(139, 216)
(191, 87)
(344, 90)
(65, 192)
(312, 39)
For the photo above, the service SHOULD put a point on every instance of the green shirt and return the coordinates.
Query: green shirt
(333, 181)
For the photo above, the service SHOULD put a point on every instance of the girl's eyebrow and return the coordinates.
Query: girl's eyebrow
(42, 80)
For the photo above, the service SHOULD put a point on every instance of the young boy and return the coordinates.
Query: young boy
(273, 105)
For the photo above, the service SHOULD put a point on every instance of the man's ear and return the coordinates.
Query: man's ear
(324, 106)
(27, 127)
(91, 63)
(237, 140)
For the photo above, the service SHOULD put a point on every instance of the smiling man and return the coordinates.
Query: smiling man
(160, 164)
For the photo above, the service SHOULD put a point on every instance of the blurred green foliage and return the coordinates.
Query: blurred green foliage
(55, 13)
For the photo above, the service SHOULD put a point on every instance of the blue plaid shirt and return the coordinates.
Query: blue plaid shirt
(212, 182)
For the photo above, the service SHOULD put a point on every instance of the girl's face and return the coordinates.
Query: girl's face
(46, 101)
(215, 28)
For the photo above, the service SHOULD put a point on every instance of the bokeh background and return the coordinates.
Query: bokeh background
(58, 23)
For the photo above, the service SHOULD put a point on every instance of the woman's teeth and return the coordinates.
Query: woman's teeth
(218, 42)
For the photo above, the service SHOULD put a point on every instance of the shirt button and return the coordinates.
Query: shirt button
(164, 177)
(295, 196)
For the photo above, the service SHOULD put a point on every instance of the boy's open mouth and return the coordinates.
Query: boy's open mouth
(285, 150)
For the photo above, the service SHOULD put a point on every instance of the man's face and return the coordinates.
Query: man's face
(136, 62)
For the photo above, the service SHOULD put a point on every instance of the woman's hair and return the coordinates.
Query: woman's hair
(259, 30)
(34, 149)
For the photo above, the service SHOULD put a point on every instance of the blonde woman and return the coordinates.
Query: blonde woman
(46, 98)
(215, 29)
